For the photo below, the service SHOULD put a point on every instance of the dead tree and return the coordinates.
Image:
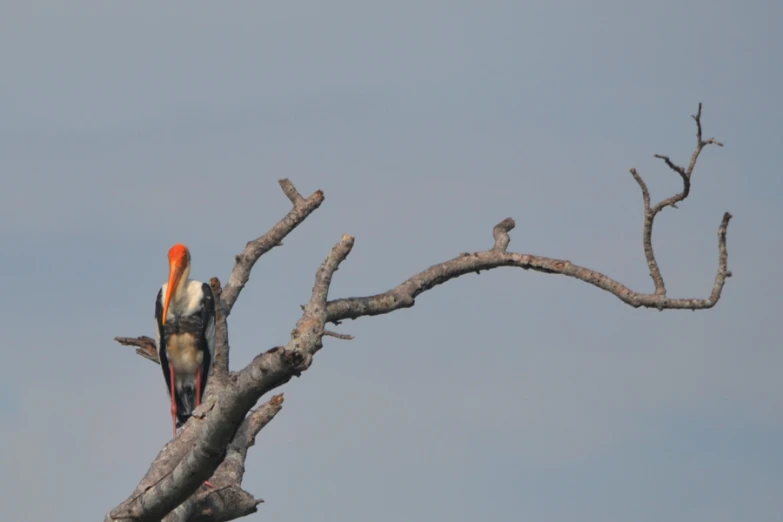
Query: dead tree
(213, 444)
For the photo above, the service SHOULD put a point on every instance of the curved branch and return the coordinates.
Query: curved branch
(404, 295)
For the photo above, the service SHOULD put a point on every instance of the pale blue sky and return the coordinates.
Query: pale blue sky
(127, 127)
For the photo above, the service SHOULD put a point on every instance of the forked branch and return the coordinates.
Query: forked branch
(227, 500)
(651, 211)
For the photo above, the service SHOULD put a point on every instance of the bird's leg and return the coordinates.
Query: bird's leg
(173, 399)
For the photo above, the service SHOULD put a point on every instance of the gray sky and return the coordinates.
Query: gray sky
(127, 127)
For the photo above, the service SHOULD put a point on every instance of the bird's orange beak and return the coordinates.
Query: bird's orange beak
(179, 257)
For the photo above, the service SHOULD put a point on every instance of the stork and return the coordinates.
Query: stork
(185, 335)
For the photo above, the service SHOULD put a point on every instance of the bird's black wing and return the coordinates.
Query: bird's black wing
(164, 361)
(208, 329)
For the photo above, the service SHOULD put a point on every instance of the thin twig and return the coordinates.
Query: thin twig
(346, 337)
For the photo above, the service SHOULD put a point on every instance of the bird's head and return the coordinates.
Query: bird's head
(179, 267)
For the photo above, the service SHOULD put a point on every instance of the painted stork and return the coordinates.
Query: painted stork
(185, 335)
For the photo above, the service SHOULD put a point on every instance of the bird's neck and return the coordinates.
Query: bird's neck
(182, 285)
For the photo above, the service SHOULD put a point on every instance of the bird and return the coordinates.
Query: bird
(185, 335)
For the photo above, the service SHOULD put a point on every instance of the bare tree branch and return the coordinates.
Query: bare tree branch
(258, 247)
(337, 335)
(214, 442)
(228, 500)
(220, 365)
(500, 233)
(404, 295)
(146, 346)
(651, 212)
(215, 505)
